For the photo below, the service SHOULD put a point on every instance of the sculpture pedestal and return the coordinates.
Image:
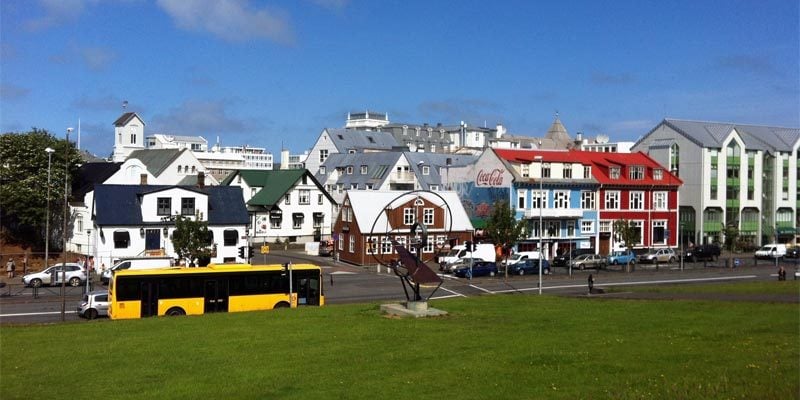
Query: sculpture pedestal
(416, 309)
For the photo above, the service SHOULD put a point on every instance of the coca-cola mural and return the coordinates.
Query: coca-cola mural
(492, 177)
(482, 185)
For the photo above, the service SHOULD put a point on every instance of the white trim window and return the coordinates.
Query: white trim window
(640, 226)
(352, 246)
(386, 245)
(587, 200)
(660, 201)
(428, 248)
(401, 241)
(658, 174)
(612, 200)
(320, 198)
(613, 172)
(426, 170)
(636, 201)
(521, 195)
(525, 170)
(587, 172)
(349, 170)
(287, 198)
(587, 226)
(605, 226)
(567, 171)
(561, 199)
(341, 241)
(553, 229)
(408, 216)
(636, 172)
(538, 199)
(659, 233)
(427, 216)
(364, 169)
(434, 187)
(323, 155)
(304, 197)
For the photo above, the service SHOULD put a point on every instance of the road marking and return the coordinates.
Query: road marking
(632, 283)
(480, 288)
(343, 273)
(447, 297)
(455, 294)
(36, 313)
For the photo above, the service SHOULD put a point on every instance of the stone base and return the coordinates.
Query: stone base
(416, 309)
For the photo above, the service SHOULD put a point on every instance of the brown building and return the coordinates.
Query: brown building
(368, 220)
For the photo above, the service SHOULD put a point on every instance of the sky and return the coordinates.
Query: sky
(273, 74)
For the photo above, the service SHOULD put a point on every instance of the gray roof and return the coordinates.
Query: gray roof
(346, 139)
(662, 143)
(755, 137)
(156, 160)
(125, 118)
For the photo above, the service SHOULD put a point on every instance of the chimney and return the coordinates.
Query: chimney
(143, 179)
(201, 179)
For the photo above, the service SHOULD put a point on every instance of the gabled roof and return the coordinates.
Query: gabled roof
(91, 174)
(368, 205)
(125, 118)
(156, 160)
(602, 162)
(274, 184)
(435, 161)
(346, 139)
(713, 134)
(120, 205)
(378, 164)
(527, 156)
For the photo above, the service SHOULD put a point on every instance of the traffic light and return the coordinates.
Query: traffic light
(250, 252)
(241, 251)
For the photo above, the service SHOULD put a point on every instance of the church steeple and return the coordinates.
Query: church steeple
(558, 133)
(128, 135)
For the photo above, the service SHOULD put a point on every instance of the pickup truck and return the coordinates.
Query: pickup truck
(621, 258)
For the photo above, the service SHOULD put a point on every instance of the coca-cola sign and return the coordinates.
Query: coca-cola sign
(490, 178)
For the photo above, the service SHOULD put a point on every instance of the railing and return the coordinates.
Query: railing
(554, 213)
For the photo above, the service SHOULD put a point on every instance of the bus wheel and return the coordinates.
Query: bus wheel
(175, 312)
(282, 304)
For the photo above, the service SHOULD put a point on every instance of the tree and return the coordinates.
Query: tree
(627, 233)
(503, 229)
(731, 237)
(23, 185)
(191, 241)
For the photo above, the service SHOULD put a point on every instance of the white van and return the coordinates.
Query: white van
(771, 251)
(522, 256)
(484, 251)
(136, 263)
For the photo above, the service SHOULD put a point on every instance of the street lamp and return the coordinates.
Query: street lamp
(541, 231)
(49, 152)
(64, 232)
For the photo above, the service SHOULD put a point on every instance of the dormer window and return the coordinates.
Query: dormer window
(524, 170)
(636, 172)
(546, 170)
(349, 170)
(405, 130)
(587, 172)
(364, 169)
(658, 174)
(567, 172)
(322, 170)
(614, 172)
(426, 170)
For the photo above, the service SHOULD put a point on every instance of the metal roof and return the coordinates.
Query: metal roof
(156, 160)
(713, 134)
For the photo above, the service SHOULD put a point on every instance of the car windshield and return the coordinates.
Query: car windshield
(766, 248)
(515, 257)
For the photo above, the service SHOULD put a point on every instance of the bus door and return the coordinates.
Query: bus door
(216, 295)
(308, 291)
(149, 291)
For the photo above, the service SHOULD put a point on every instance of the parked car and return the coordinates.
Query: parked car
(703, 252)
(621, 258)
(584, 261)
(94, 304)
(529, 266)
(563, 260)
(463, 262)
(326, 248)
(793, 252)
(481, 268)
(771, 251)
(75, 276)
(521, 256)
(658, 256)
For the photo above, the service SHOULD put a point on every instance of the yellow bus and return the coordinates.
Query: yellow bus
(216, 288)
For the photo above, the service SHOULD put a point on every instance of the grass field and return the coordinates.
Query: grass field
(503, 346)
(769, 287)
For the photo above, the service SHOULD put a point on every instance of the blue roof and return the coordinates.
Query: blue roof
(120, 205)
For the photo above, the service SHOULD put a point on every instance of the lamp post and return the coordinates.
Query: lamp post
(49, 152)
(541, 228)
(64, 232)
(86, 263)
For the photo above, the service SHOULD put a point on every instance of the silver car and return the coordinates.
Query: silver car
(75, 276)
(665, 255)
(94, 304)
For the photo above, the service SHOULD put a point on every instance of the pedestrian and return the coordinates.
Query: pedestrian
(90, 265)
(25, 264)
(781, 273)
(10, 267)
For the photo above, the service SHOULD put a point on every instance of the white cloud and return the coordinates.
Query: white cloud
(231, 20)
(57, 12)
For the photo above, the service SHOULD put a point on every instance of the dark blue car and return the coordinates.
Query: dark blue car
(482, 268)
(529, 266)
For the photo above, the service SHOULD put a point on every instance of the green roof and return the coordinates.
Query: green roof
(274, 184)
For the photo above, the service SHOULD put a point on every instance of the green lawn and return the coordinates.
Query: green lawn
(769, 287)
(503, 346)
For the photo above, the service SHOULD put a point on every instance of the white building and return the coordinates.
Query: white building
(128, 136)
(193, 143)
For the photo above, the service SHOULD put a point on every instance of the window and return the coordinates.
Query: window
(521, 195)
(587, 172)
(408, 216)
(567, 172)
(546, 170)
(428, 246)
(323, 155)
(352, 245)
(660, 200)
(341, 241)
(349, 170)
(524, 170)
(364, 170)
(612, 200)
(122, 239)
(368, 186)
(401, 241)
(297, 220)
(180, 169)
(434, 187)
(287, 199)
(570, 229)
(304, 197)
(320, 198)
(561, 199)
(275, 221)
(538, 199)
(674, 159)
(587, 200)
(427, 216)
(658, 174)
(433, 150)
(386, 245)
(605, 226)
(187, 206)
(553, 228)
(659, 232)
(587, 226)
(638, 226)
(614, 172)
(317, 221)
(133, 138)
(636, 201)
(229, 237)
(353, 186)
(322, 169)
(79, 224)
(426, 170)
(636, 172)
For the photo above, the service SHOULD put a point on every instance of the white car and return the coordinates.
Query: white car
(75, 276)
(771, 251)
(94, 304)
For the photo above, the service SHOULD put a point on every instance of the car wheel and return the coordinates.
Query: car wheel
(580, 267)
(522, 272)
(74, 281)
(36, 282)
(175, 312)
(615, 262)
(91, 313)
(671, 260)
(491, 273)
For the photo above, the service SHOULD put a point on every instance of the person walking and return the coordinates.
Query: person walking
(10, 267)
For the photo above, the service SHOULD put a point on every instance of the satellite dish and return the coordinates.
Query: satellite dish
(602, 138)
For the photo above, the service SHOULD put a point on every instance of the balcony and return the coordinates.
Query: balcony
(555, 213)
(402, 177)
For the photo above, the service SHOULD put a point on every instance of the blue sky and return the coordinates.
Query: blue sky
(267, 73)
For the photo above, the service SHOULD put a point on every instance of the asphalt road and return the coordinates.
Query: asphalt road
(346, 283)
